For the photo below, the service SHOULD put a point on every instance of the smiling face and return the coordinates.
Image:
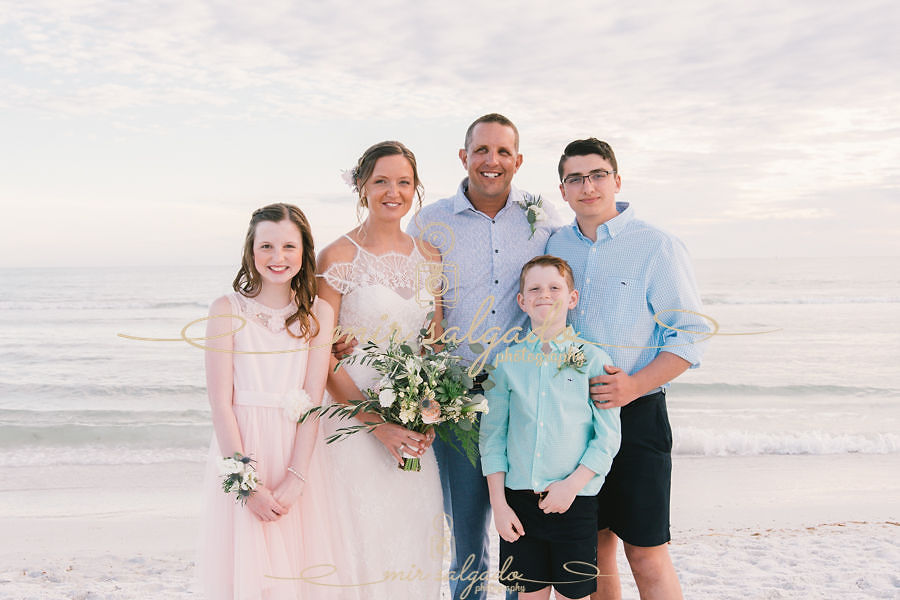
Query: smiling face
(390, 188)
(277, 251)
(546, 297)
(491, 159)
(593, 203)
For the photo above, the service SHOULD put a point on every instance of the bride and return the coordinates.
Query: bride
(373, 277)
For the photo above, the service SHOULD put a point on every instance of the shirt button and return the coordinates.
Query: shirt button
(592, 249)
(538, 454)
(493, 312)
(496, 281)
(542, 423)
(588, 280)
(543, 393)
(582, 312)
(493, 221)
(496, 251)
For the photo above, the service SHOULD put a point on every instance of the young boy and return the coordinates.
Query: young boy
(543, 481)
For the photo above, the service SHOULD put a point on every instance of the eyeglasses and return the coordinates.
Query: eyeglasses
(596, 178)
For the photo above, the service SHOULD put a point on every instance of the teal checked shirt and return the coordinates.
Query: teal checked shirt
(541, 423)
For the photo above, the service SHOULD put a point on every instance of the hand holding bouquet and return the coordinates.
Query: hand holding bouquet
(416, 391)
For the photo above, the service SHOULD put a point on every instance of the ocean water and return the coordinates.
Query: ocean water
(807, 362)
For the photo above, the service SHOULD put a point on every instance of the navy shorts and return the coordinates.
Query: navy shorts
(557, 549)
(634, 500)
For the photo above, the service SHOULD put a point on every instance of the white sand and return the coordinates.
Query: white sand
(755, 527)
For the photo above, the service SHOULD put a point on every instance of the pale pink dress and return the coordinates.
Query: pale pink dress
(241, 557)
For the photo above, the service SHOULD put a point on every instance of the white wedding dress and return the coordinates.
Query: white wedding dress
(392, 520)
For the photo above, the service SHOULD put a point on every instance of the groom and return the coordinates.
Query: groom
(490, 239)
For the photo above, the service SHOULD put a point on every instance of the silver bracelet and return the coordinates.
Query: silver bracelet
(296, 474)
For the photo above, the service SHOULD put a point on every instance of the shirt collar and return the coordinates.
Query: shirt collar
(560, 343)
(610, 228)
(462, 203)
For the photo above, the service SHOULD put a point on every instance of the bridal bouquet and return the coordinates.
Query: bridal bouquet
(417, 391)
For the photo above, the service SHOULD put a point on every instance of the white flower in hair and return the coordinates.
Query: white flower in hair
(296, 404)
(349, 177)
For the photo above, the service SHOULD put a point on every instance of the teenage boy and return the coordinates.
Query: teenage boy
(633, 278)
(543, 480)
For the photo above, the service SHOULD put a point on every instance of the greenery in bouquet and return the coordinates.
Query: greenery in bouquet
(418, 390)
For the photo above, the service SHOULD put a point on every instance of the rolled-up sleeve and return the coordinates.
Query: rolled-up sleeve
(495, 425)
(673, 297)
(607, 434)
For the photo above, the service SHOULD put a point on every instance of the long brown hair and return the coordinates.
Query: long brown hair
(248, 281)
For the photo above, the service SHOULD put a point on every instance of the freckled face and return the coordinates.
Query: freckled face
(546, 295)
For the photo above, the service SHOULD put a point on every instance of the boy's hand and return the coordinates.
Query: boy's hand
(508, 525)
(560, 495)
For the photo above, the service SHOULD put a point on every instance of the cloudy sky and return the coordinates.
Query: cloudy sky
(136, 133)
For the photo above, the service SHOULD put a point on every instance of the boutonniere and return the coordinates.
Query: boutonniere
(574, 359)
(534, 210)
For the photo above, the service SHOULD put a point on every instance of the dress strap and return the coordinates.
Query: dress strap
(352, 241)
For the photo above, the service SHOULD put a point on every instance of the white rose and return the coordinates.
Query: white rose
(296, 403)
(386, 397)
(228, 465)
(482, 403)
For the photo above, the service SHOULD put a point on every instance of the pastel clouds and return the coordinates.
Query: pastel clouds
(734, 114)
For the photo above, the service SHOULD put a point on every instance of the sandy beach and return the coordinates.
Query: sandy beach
(824, 526)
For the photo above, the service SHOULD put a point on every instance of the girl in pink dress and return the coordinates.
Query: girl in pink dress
(261, 370)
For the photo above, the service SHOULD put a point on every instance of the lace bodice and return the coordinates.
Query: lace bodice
(271, 318)
(404, 274)
(384, 292)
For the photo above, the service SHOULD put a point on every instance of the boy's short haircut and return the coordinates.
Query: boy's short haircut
(586, 147)
(547, 260)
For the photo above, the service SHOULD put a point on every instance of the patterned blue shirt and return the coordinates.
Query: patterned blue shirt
(555, 426)
(631, 273)
(482, 257)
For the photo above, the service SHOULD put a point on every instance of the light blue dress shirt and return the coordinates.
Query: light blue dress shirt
(631, 273)
(482, 257)
(541, 423)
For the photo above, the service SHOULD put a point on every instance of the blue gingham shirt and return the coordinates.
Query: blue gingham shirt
(555, 426)
(632, 271)
(481, 260)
